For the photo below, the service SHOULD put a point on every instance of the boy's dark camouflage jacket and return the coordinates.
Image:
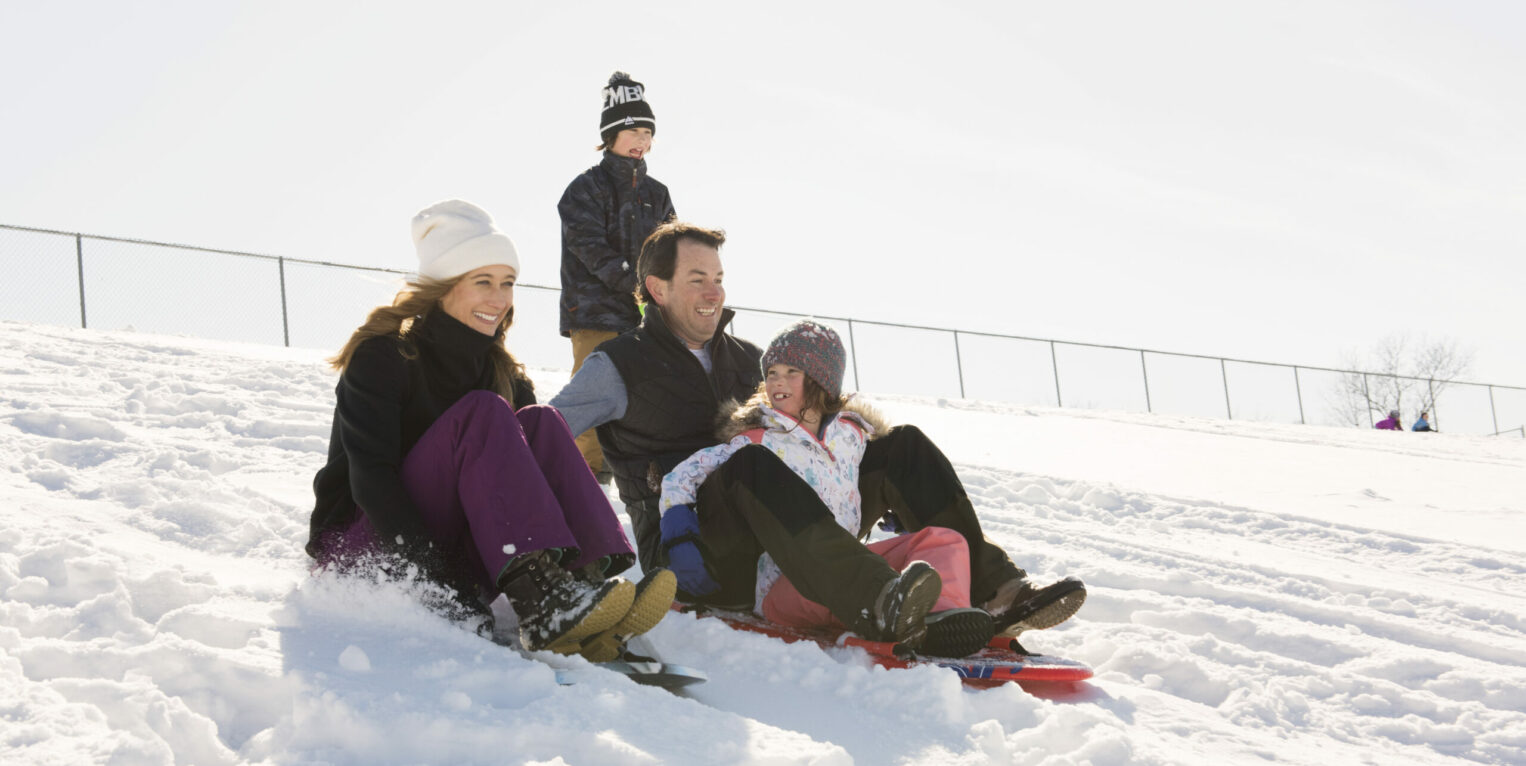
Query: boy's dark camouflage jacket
(607, 212)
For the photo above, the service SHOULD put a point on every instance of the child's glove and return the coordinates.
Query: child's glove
(680, 538)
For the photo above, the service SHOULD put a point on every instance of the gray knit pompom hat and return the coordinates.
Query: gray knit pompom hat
(814, 349)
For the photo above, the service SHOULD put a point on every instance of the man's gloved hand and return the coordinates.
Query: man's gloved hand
(680, 538)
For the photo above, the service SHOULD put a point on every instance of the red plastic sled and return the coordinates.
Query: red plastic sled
(999, 663)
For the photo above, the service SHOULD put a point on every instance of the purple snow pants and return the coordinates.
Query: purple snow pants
(492, 484)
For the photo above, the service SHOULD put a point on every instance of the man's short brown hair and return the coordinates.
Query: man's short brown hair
(659, 253)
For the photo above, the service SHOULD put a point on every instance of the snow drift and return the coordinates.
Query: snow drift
(1259, 594)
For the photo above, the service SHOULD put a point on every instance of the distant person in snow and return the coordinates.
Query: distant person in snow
(440, 458)
(778, 506)
(1390, 423)
(607, 212)
(1423, 423)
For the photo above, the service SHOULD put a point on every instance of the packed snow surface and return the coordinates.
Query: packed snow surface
(1258, 594)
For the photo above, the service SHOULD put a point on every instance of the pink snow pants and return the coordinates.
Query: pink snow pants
(943, 548)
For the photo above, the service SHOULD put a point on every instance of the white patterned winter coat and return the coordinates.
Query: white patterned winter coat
(829, 464)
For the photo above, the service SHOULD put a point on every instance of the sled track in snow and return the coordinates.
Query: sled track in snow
(1437, 642)
(152, 464)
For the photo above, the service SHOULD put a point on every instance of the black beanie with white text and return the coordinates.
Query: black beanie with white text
(625, 106)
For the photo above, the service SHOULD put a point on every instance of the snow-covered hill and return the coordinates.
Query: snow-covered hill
(1259, 594)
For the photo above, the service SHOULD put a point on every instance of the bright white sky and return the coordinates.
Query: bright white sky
(1277, 181)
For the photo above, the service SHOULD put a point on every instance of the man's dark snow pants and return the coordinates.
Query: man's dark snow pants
(755, 503)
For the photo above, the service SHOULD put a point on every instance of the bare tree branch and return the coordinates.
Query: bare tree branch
(1399, 373)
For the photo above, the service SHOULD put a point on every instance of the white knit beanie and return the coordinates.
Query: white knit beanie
(455, 236)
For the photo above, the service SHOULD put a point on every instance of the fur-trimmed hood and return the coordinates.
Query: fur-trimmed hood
(736, 417)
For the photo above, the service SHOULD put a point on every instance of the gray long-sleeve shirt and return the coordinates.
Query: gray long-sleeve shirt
(594, 396)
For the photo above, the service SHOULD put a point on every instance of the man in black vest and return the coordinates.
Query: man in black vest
(654, 391)
(654, 394)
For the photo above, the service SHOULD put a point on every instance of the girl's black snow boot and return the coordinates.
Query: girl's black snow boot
(957, 632)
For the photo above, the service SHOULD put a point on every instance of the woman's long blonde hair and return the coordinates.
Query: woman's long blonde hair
(415, 301)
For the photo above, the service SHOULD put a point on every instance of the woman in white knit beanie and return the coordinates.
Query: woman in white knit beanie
(441, 458)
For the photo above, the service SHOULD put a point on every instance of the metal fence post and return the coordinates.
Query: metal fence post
(285, 323)
(1055, 363)
(853, 347)
(1492, 416)
(1146, 372)
(79, 265)
(1435, 418)
(1367, 400)
(1298, 389)
(1224, 370)
(959, 364)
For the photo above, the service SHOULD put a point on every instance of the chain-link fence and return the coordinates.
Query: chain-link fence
(111, 283)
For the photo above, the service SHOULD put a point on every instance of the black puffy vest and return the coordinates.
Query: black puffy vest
(671, 405)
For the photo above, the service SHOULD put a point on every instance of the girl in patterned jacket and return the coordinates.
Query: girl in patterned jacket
(821, 435)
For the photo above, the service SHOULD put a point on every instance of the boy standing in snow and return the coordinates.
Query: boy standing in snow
(607, 212)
